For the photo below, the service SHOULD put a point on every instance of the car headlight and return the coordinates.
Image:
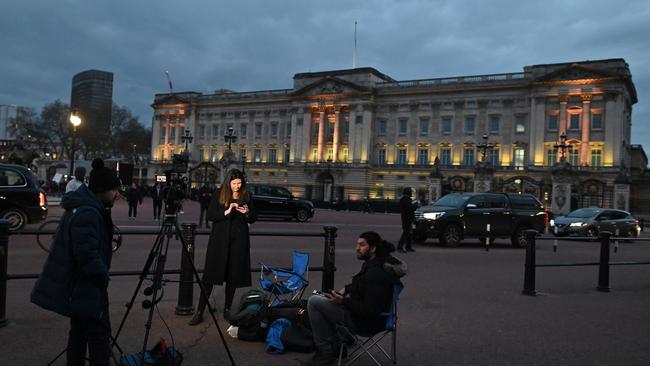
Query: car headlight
(575, 224)
(433, 215)
(551, 222)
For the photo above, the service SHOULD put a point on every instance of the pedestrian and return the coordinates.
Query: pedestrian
(157, 195)
(77, 180)
(359, 305)
(407, 209)
(227, 258)
(205, 194)
(133, 198)
(74, 280)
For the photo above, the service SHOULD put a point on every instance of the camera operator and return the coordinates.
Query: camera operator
(157, 194)
(228, 254)
(74, 281)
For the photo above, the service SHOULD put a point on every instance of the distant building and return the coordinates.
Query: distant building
(92, 99)
(7, 114)
(558, 131)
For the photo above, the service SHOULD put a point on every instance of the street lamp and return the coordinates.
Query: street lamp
(76, 121)
(230, 137)
(243, 165)
(561, 147)
(484, 147)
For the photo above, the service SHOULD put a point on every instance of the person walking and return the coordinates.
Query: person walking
(205, 194)
(133, 198)
(407, 212)
(228, 255)
(157, 195)
(77, 180)
(74, 280)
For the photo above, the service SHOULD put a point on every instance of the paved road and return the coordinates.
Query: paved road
(461, 306)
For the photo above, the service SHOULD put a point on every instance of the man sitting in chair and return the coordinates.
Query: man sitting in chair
(358, 305)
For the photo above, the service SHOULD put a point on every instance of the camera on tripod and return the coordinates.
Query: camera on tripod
(177, 187)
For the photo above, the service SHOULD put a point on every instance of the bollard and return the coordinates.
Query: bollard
(616, 241)
(329, 258)
(487, 238)
(555, 240)
(4, 246)
(603, 267)
(529, 267)
(185, 304)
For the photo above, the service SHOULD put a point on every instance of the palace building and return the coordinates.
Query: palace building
(558, 131)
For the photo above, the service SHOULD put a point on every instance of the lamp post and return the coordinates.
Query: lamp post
(243, 165)
(76, 121)
(484, 147)
(230, 137)
(561, 146)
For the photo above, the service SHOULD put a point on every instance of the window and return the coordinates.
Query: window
(596, 157)
(314, 154)
(213, 156)
(574, 155)
(401, 156)
(493, 156)
(274, 129)
(552, 122)
(330, 132)
(289, 129)
(494, 125)
(551, 156)
(470, 125)
(201, 153)
(345, 154)
(423, 156)
(519, 158)
(257, 155)
(242, 153)
(446, 125)
(215, 131)
(273, 156)
(596, 121)
(201, 131)
(574, 122)
(468, 156)
(380, 190)
(172, 134)
(330, 154)
(287, 155)
(382, 127)
(403, 125)
(445, 156)
(243, 130)
(520, 124)
(11, 178)
(381, 156)
(162, 134)
(258, 130)
(424, 127)
(346, 130)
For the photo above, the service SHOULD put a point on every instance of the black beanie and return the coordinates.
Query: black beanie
(101, 178)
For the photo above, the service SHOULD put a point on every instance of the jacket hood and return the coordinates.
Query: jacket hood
(395, 266)
(80, 196)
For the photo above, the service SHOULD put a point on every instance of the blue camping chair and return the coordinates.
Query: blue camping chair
(361, 343)
(286, 284)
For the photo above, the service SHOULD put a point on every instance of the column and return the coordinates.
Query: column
(155, 135)
(293, 145)
(366, 135)
(335, 140)
(166, 146)
(586, 125)
(564, 99)
(537, 128)
(321, 136)
(352, 157)
(306, 135)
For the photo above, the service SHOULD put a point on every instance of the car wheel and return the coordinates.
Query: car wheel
(17, 219)
(302, 215)
(591, 232)
(519, 237)
(451, 236)
(419, 238)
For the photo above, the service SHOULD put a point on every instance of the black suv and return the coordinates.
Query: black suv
(22, 201)
(479, 215)
(276, 201)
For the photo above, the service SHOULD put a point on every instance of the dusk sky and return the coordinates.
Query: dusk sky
(259, 45)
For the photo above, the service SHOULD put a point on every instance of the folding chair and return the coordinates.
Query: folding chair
(284, 284)
(364, 343)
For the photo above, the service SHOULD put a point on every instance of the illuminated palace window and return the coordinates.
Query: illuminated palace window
(380, 190)
(519, 154)
(493, 156)
(596, 157)
(273, 156)
(445, 156)
(520, 124)
(287, 155)
(257, 155)
(381, 156)
(423, 156)
(314, 154)
(330, 154)
(401, 156)
(551, 155)
(574, 155)
(468, 156)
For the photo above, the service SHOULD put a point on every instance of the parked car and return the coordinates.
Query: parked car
(485, 216)
(588, 222)
(276, 201)
(22, 201)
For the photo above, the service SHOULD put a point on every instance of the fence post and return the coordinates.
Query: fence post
(529, 267)
(329, 258)
(603, 268)
(185, 304)
(4, 246)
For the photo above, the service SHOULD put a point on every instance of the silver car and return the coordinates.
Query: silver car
(588, 222)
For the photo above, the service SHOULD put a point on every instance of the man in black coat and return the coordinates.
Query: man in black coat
(407, 212)
(358, 305)
(74, 281)
(205, 194)
(157, 194)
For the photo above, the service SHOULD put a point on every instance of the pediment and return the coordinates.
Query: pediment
(329, 85)
(170, 99)
(574, 72)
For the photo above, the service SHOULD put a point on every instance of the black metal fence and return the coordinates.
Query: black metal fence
(186, 283)
(605, 238)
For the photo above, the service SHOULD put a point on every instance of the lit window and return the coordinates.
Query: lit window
(493, 156)
(468, 156)
(596, 157)
(381, 156)
(401, 156)
(257, 155)
(574, 155)
(520, 124)
(423, 156)
(551, 156)
(445, 156)
(519, 158)
(272, 156)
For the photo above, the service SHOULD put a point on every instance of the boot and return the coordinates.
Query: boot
(198, 315)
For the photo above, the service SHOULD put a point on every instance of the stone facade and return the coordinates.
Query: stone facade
(349, 134)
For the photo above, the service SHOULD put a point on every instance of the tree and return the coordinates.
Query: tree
(51, 130)
(127, 132)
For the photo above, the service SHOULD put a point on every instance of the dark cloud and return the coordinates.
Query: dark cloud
(254, 45)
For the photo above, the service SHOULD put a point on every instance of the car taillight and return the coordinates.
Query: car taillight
(41, 199)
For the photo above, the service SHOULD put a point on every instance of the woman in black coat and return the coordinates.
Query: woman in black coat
(228, 257)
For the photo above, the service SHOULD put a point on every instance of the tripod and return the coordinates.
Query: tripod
(158, 255)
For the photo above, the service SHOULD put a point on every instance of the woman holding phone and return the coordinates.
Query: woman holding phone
(228, 255)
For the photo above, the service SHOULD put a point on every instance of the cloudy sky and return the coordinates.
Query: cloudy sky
(255, 45)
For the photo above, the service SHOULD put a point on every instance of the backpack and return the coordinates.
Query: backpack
(251, 316)
(160, 355)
